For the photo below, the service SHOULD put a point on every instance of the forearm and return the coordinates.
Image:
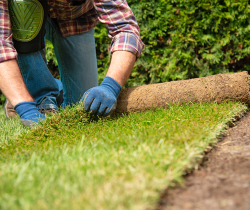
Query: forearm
(12, 84)
(121, 66)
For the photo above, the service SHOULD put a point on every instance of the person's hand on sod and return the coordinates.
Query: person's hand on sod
(29, 114)
(13, 87)
(102, 100)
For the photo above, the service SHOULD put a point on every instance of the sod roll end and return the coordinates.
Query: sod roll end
(216, 88)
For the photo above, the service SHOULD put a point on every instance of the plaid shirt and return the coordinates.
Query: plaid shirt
(79, 16)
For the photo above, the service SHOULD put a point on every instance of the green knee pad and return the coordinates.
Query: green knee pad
(28, 24)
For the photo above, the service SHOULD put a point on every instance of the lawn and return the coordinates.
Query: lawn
(74, 162)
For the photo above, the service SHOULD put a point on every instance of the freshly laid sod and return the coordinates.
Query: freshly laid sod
(9, 129)
(110, 164)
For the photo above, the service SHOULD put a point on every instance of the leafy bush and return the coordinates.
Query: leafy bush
(50, 54)
(185, 39)
(2, 98)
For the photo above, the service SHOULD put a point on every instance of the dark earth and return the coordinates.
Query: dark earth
(223, 180)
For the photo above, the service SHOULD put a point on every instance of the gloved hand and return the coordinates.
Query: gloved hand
(28, 113)
(101, 100)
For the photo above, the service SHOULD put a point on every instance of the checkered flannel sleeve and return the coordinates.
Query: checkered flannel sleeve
(122, 26)
(7, 50)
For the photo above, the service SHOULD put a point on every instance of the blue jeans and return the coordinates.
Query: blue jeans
(77, 63)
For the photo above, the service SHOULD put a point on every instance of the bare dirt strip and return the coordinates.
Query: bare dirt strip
(223, 182)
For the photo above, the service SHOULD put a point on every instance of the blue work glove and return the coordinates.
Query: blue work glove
(28, 113)
(101, 100)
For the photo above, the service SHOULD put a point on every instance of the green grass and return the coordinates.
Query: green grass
(115, 163)
(9, 129)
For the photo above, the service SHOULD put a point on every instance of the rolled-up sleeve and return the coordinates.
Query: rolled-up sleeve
(122, 26)
(7, 50)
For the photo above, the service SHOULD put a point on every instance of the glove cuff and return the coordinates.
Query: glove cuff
(112, 85)
(24, 107)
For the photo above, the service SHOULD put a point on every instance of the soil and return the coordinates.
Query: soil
(223, 182)
(216, 88)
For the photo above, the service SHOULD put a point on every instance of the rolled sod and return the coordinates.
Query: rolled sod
(216, 88)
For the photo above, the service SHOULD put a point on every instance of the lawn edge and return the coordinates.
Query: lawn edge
(199, 162)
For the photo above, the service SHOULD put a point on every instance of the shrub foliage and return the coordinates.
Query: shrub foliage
(185, 39)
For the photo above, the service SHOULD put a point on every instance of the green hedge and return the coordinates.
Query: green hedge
(185, 39)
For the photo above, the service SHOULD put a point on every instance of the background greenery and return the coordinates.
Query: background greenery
(185, 39)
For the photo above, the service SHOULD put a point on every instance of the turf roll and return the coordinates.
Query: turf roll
(217, 88)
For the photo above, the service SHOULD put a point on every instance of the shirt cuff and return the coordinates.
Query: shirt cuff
(7, 50)
(127, 42)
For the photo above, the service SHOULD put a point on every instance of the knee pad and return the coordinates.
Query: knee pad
(28, 19)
